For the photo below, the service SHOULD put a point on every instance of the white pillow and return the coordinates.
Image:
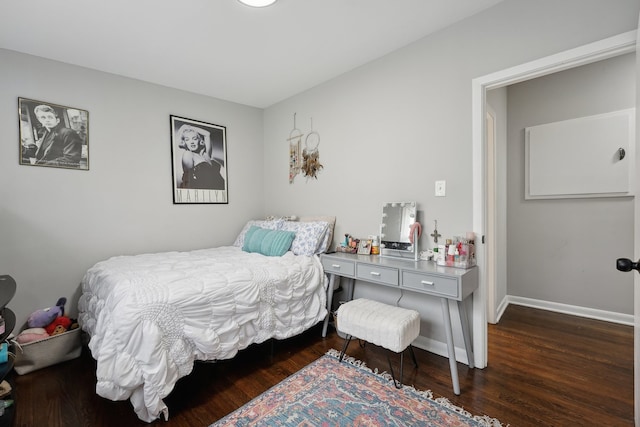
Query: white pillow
(309, 236)
(325, 246)
(270, 225)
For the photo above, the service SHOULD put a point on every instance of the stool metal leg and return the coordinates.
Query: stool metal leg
(396, 383)
(413, 356)
(344, 347)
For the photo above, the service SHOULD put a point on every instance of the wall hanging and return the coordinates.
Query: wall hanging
(199, 162)
(303, 160)
(53, 135)
(295, 140)
(310, 155)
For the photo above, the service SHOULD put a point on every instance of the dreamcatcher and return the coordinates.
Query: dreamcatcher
(310, 155)
(295, 138)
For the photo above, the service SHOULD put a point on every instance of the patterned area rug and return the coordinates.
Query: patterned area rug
(329, 393)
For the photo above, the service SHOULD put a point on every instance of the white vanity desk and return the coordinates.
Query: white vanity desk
(425, 277)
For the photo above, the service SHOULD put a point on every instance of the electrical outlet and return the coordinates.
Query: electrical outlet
(441, 188)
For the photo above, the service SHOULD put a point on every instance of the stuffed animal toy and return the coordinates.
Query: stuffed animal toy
(31, 334)
(59, 325)
(43, 317)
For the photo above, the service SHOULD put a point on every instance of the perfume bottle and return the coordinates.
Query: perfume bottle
(375, 246)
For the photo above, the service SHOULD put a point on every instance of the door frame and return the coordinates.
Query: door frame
(491, 245)
(592, 52)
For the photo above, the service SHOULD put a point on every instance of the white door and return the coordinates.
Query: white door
(636, 279)
(628, 264)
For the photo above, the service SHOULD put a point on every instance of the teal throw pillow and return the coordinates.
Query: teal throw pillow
(267, 242)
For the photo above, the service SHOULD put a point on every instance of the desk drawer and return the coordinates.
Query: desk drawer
(338, 266)
(374, 273)
(434, 285)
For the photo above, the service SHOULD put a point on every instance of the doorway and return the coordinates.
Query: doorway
(564, 232)
(604, 49)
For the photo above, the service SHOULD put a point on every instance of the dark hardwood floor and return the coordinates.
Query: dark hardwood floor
(545, 369)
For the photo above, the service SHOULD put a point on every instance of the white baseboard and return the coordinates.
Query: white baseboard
(440, 348)
(501, 308)
(591, 313)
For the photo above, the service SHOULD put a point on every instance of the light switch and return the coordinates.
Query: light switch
(441, 188)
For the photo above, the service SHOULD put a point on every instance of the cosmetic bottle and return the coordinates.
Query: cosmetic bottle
(375, 246)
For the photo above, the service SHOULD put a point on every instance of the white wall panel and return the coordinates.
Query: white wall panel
(580, 157)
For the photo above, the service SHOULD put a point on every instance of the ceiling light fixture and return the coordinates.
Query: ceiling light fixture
(257, 3)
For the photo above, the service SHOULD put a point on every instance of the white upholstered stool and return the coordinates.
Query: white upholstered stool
(393, 328)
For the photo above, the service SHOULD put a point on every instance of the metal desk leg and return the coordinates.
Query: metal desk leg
(352, 285)
(330, 290)
(450, 346)
(464, 320)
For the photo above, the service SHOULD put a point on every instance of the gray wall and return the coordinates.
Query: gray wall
(56, 223)
(390, 129)
(564, 250)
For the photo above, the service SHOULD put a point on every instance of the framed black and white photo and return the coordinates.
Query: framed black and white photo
(199, 162)
(364, 247)
(53, 135)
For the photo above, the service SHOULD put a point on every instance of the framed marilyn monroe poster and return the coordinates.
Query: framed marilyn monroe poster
(199, 162)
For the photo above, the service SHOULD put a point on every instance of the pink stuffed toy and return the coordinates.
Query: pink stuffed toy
(41, 318)
(31, 334)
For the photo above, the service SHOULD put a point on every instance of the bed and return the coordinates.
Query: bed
(151, 316)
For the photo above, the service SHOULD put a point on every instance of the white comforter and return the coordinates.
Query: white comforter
(150, 316)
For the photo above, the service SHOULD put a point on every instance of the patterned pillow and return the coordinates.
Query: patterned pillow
(327, 238)
(270, 225)
(309, 236)
(325, 246)
(267, 242)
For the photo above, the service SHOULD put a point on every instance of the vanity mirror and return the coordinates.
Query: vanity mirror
(395, 228)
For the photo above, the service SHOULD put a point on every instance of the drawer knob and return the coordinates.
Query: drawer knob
(426, 282)
(335, 265)
(375, 273)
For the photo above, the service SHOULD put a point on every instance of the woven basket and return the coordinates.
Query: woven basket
(46, 352)
(335, 324)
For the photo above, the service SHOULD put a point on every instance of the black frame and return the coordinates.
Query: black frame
(199, 183)
(63, 143)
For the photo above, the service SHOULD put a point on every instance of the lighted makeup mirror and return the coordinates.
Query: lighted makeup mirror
(395, 229)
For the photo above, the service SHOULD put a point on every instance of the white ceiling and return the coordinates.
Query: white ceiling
(222, 48)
